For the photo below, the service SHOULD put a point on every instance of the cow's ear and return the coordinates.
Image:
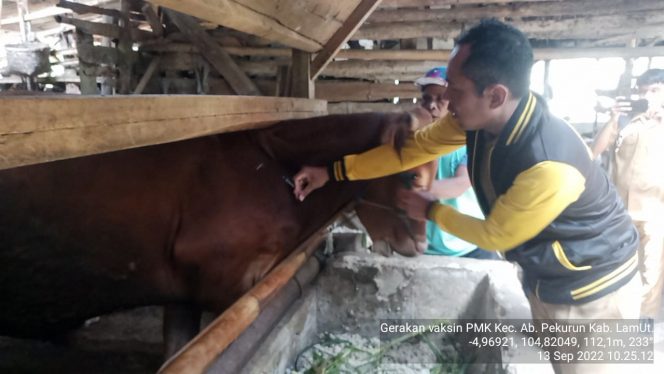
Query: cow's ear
(396, 129)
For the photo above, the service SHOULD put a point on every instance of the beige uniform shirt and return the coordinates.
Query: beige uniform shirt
(639, 167)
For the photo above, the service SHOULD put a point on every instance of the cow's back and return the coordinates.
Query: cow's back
(85, 236)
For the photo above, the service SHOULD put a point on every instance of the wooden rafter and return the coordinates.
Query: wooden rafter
(421, 54)
(83, 9)
(350, 25)
(591, 27)
(234, 15)
(153, 19)
(423, 3)
(214, 53)
(529, 9)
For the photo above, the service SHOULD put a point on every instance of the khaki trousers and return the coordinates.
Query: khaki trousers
(651, 266)
(623, 303)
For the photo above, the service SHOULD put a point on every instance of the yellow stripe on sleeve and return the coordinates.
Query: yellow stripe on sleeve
(537, 196)
(428, 143)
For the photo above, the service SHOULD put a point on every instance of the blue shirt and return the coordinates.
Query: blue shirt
(440, 242)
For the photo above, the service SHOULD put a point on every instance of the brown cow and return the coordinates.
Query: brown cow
(194, 222)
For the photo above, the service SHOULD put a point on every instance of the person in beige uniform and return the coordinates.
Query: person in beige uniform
(638, 173)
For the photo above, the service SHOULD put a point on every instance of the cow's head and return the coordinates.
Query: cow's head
(319, 141)
(386, 226)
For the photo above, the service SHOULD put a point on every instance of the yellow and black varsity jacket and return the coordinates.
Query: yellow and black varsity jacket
(556, 213)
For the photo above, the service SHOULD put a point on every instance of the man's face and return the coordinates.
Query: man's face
(433, 100)
(654, 93)
(472, 111)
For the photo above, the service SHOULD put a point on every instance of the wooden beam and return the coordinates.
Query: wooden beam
(330, 90)
(396, 54)
(350, 25)
(339, 91)
(95, 55)
(402, 65)
(540, 53)
(103, 29)
(436, 3)
(93, 28)
(46, 128)
(569, 28)
(347, 108)
(153, 19)
(538, 9)
(562, 53)
(239, 17)
(379, 70)
(213, 53)
(42, 13)
(84, 9)
(42, 10)
(162, 47)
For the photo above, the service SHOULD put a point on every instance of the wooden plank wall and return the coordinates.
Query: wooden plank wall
(360, 78)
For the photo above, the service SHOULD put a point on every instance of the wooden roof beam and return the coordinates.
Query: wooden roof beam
(548, 9)
(592, 27)
(84, 9)
(234, 15)
(348, 28)
(214, 54)
(421, 54)
(423, 3)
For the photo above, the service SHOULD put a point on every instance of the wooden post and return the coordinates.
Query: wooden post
(24, 26)
(106, 81)
(125, 48)
(301, 83)
(86, 70)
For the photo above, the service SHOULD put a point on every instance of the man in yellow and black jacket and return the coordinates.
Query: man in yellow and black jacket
(547, 205)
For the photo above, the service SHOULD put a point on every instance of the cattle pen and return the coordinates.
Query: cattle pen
(110, 108)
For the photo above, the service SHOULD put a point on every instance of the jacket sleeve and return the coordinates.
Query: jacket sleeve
(428, 143)
(536, 198)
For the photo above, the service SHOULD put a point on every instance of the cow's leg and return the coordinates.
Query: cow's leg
(181, 324)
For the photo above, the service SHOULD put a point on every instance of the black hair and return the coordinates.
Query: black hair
(499, 54)
(651, 76)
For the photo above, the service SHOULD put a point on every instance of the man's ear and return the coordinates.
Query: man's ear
(497, 95)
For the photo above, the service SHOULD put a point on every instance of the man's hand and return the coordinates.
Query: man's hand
(415, 203)
(308, 179)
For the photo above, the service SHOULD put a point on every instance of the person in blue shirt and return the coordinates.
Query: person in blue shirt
(452, 185)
